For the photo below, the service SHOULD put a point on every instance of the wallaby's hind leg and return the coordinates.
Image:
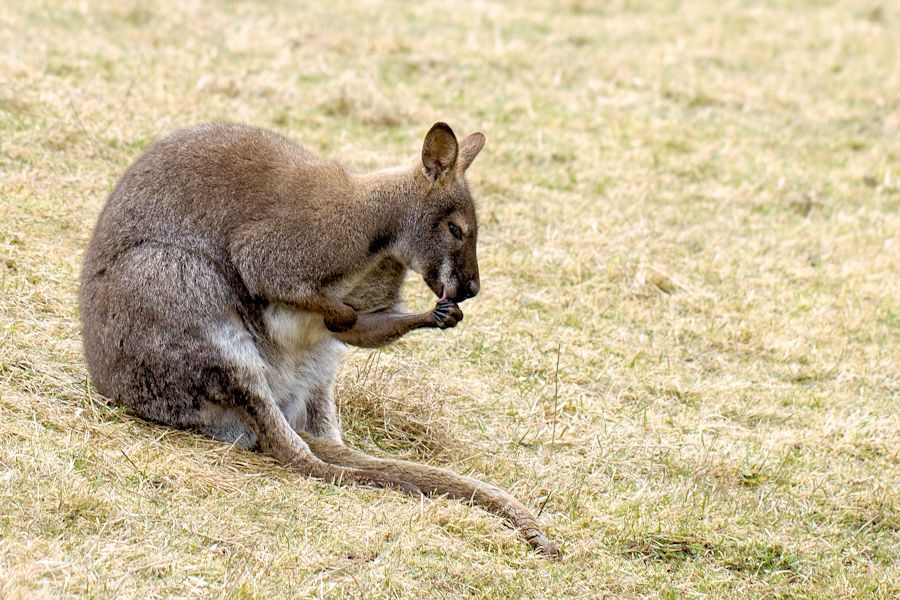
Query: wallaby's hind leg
(433, 480)
(321, 419)
(244, 391)
(276, 438)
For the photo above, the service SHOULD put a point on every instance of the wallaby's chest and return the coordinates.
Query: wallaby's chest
(375, 288)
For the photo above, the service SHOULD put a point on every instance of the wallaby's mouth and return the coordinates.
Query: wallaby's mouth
(442, 289)
(447, 293)
(435, 284)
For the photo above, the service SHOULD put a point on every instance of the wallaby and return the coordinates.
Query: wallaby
(229, 268)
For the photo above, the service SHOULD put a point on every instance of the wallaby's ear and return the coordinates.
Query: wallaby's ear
(469, 149)
(439, 151)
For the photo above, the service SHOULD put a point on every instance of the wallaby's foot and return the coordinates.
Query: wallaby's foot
(447, 314)
(378, 480)
(340, 318)
(537, 540)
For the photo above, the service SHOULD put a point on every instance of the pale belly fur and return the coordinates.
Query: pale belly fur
(300, 371)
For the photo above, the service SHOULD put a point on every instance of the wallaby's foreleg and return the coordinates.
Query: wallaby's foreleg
(433, 480)
(372, 330)
(276, 438)
(337, 315)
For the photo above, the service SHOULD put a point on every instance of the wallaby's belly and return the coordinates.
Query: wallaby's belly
(303, 363)
(296, 366)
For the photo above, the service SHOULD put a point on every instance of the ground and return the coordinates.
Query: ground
(685, 354)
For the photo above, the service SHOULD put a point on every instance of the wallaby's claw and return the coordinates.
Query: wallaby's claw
(447, 314)
(538, 541)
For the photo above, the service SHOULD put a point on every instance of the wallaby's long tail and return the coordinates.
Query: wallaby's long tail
(433, 480)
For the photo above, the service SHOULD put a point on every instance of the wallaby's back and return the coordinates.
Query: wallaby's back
(195, 186)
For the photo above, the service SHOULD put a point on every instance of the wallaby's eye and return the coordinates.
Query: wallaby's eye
(456, 231)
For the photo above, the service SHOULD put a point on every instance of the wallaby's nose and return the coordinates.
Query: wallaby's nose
(473, 288)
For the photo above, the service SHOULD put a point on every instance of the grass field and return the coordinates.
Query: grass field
(685, 353)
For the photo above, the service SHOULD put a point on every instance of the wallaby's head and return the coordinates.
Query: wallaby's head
(443, 245)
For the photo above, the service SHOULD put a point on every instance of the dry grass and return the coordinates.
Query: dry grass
(697, 203)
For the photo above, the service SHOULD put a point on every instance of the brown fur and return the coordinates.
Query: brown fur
(230, 265)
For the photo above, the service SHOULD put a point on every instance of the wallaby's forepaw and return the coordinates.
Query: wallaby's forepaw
(447, 314)
(340, 320)
(538, 541)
